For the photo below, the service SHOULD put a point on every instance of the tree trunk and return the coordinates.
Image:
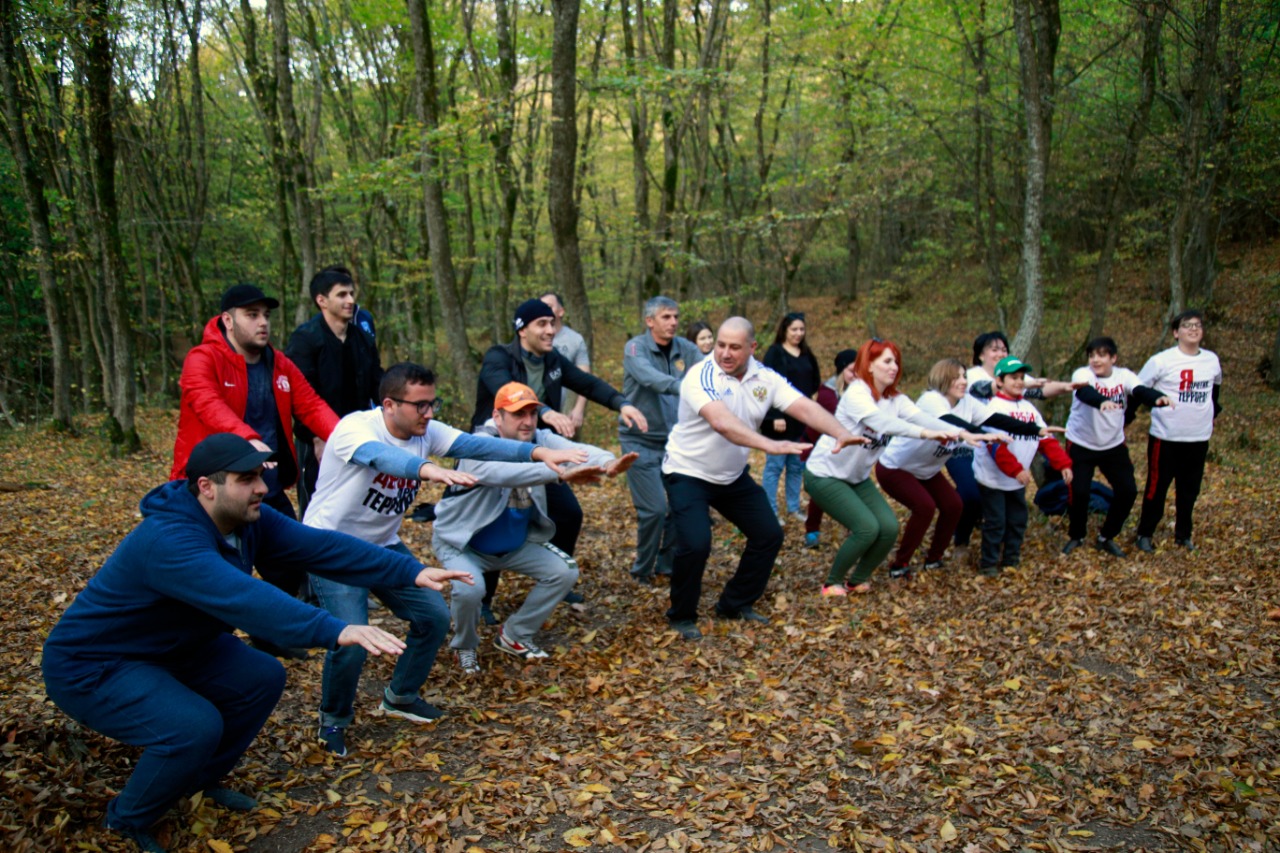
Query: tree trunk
(635, 54)
(1038, 25)
(435, 214)
(37, 215)
(98, 68)
(1150, 23)
(561, 209)
(297, 182)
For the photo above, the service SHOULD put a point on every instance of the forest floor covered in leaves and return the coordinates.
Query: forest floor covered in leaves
(1078, 703)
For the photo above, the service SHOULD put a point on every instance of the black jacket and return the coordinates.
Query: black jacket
(503, 363)
(317, 352)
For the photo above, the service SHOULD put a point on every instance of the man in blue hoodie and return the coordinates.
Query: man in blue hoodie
(145, 654)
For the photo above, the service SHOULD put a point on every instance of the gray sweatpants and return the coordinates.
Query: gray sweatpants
(553, 577)
(655, 529)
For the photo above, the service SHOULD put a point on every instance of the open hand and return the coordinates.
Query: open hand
(1110, 406)
(633, 417)
(620, 465)
(847, 440)
(554, 459)
(1045, 432)
(432, 578)
(373, 640)
(561, 423)
(447, 476)
(790, 448)
(580, 474)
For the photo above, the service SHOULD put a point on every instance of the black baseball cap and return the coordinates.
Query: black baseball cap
(243, 294)
(225, 451)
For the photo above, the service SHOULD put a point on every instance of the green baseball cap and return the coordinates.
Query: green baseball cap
(1012, 364)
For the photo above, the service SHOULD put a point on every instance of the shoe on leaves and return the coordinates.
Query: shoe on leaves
(467, 661)
(687, 629)
(1109, 546)
(525, 651)
(419, 710)
(334, 739)
(1145, 545)
(1071, 545)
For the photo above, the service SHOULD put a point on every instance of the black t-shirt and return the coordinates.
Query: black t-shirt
(260, 413)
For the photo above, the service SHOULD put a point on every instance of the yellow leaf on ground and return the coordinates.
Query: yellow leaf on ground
(1143, 743)
(579, 836)
(1013, 684)
(947, 832)
(219, 846)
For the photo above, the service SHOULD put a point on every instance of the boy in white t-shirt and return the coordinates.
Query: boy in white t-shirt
(1003, 471)
(1179, 439)
(1095, 440)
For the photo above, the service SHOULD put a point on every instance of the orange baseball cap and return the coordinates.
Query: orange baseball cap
(515, 396)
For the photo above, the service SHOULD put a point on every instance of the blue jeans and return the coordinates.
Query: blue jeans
(773, 466)
(428, 618)
(193, 719)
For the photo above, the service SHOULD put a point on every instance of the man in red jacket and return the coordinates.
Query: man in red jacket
(233, 381)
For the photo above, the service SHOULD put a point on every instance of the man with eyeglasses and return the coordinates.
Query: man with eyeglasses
(370, 474)
(1178, 443)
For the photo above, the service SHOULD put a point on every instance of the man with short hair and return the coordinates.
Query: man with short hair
(339, 360)
(722, 403)
(572, 346)
(531, 359)
(369, 477)
(234, 381)
(653, 363)
(500, 522)
(145, 654)
(1178, 445)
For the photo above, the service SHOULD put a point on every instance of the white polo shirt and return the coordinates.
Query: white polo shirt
(694, 448)
(1093, 428)
(1188, 380)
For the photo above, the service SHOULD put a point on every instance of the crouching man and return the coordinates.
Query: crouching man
(145, 654)
(502, 523)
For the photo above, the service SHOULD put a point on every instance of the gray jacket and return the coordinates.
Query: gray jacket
(463, 511)
(651, 381)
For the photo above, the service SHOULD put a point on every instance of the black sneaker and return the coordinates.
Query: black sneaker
(643, 580)
(687, 629)
(572, 597)
(418, 710)
(146, 841)
(230, 799)
(486, 615)
(989, 571)
(334, 739)
(1109, 546)
(1184, 543)
(1145, 545)
(1071, 545)
(746, 614)
(900, 573)
(933, 565)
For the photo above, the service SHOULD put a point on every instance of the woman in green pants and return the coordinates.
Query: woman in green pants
(841, 484)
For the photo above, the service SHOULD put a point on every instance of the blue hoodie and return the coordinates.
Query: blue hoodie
(175, 583)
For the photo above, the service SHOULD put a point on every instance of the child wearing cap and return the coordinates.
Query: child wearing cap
(1003, 471)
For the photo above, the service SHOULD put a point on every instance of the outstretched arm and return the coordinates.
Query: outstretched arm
(812, 415)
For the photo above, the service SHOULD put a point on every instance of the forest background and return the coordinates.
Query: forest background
(462, 156)
(924, 170)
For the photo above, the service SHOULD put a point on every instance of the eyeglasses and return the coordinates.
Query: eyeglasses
(423, 406)
(1191, 325)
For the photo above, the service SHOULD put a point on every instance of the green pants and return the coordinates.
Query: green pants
(872, 526)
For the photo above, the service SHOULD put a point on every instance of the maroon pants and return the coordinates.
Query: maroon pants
(922, 498)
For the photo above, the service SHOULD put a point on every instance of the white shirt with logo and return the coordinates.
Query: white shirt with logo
(358, 500)
(1023, 447)
(694, 448)
(922, 458)
(1093, 428)
(1188, 381)
(879, 420)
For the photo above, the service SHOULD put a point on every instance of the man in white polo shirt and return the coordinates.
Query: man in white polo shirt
(722, 402)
